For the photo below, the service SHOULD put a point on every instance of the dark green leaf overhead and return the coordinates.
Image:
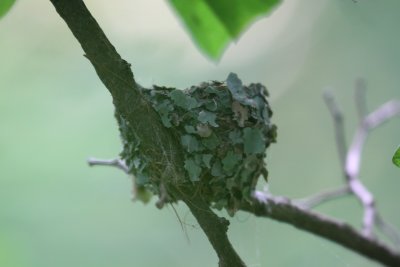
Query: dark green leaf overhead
(214, 23)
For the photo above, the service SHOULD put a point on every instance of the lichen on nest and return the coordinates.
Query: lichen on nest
(224, 129)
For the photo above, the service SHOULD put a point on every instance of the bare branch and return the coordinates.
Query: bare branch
(359, 97)
(322, 197)
(388, 230)
(373, 120)
(338, 126)
(282, 209)
(119, 163)
(353, 160)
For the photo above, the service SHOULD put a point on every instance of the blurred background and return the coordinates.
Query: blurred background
(55, 113)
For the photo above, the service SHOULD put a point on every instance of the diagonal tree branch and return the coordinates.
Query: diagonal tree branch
(214, 227)
(116, 75)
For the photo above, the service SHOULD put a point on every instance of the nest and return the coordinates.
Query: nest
(224, 129)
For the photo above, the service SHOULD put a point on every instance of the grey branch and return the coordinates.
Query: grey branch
(373, 120)
(352, 162)
(359, 98)
(283, 210)
(338, 126)
(321, 197)
(119, 163)
(387, 229)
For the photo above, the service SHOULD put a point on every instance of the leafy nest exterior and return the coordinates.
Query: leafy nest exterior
(224, 129)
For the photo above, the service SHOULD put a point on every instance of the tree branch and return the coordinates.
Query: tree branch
(118, 163)
(338, 126)
(213, 226)
(351, 160)
(116, 75)
(283, 210)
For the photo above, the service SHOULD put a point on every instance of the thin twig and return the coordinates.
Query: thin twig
(338, 126)
(118, 163)
(388, 230)
(322, 197)
(359, 97)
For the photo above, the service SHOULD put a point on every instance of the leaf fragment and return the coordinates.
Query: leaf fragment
(253, 141)
(193, 170)
(211, 142)
(235, 86)
(208, 117)
(213, 24)
(203, 130)
(396, 157)
(216, 169)
(190, 143)
(5, 6)
(231, 160)
(207, 159)
(182, 100)
(236, 137)
(240, 113)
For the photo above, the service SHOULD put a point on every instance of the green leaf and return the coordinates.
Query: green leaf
(230, 160)
(235, 86)
(208, 117)
(396, 157)
(241, 113)
(141, 179)
(216, 169)
(5, 6)
(215, 23)
(190, 143)
(164, 109)
(236, 137)
(182, 100)
(203, 130)
(190, 129)
(206, 159)
(179, 98)
(253, 141)
(210, 142)
(193, 170)
(142, 194)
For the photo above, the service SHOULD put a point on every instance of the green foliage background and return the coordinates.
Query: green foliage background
(54, 113)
